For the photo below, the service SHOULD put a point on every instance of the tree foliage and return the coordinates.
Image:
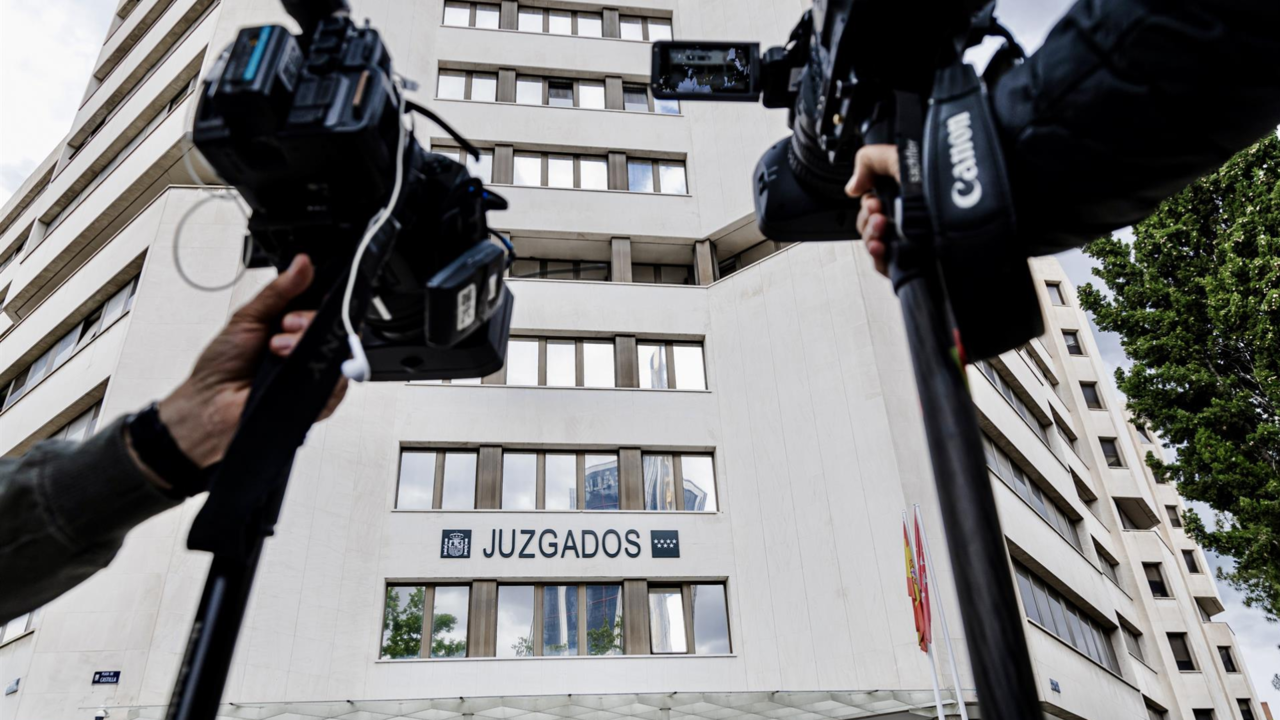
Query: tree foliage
(1196, 302)
(402, 627)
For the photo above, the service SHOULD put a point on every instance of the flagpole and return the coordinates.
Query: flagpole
(942, 614)
(933, 668)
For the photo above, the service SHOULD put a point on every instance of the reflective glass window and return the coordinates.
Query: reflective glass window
(640, 176)
(530, 20)
(1055, 293)
(604, 619)
(528, 169)
(481, 169)
(635, 98)
(519, 481)
(591, 94)
(561, 481)
(561, 363)
(560, 620)
(652, 365)
(590, 25)
(459, 491)
(402, 622)
(417, 480)
(601, 482)
(457, 14)
(659, 29)
(452, 85)
(632, 28)
(671, 178)
(449, 621)
(515, 621)
(598, 365)
(593, 173)
(699, 485)
(529, 90)
(522, 362)
(691, 374)
(1111, 452)
(484, 87)
(710, 620)
(560, 93)
(560, 172)
(659, 483)
(487, 16)
(666, 621)
(666, 107)
(561, 22)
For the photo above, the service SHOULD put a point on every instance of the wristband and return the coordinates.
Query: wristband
(159, 452)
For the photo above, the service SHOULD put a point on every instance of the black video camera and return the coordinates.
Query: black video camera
(858, 72)
(309, 129)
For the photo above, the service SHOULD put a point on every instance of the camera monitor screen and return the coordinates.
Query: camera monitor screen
(706, 70)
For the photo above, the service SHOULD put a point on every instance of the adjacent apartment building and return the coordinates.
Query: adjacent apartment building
(680, 499)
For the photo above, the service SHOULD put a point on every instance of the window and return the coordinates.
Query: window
(1155, 713)
(590, 25)
(1014, 399)
(1072, 339)
(1228, 660)
(666, 621)
(591, 94)
(403, 625)
(1132, 641)
(666, 107)
(459, 14)
(481, 169)
(460, 85)
(1107, 563)
(598, 368)
(15, 627)
(530, 20)
(560, 269)
(560, 620)
(80, 428)
(444, 480)
(1174, 518)
(515, 620)
(1061, 617)
(1111, 452)
(710, 619)
(671, 178)
(1142, 433)
(1155, 580)
(560, 93)
(644, 28)
(452, 85)
(522, 362)
(560, 22)
(1126, 519)
(662, 274)
(528, 90)
(519, 481)
(600, 482)
(81, 334)
(1048, 507)
(1202, 714)
(561, 363)
(560, 171)
(1246, 709)
(657, 361)
(1055, 293)
(694, 491)
(640, 176)
(563, 358)
(635, 98)
(1091, 397)
(528, 169)
(484, 87)
(564, 621)
(593, 173)
(561, 481)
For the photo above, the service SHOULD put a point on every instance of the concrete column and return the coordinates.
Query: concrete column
(703, 263)
(613, 97)
(630, 479)
(489, 479)
(504, 164)
(625, 361)
(482, 621)
(620, 265)
(506, 85)
(507, 17)
(635, 617)
(612, 25)
(617, 171)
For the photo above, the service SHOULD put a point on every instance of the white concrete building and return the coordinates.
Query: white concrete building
(670, 370)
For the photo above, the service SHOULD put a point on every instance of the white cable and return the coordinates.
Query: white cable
(357, 368)
(213, 193)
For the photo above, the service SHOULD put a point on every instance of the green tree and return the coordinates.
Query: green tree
(605, 639)
(402, 622)
(441, 646)
(1196, 302)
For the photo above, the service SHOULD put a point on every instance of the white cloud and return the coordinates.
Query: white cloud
(47, 50)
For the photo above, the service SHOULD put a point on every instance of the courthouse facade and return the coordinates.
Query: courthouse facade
(681, 498)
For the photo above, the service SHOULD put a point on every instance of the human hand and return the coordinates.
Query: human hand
(203, 412)
(871, 162)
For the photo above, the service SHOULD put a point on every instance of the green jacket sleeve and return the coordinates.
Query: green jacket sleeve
(64, 511)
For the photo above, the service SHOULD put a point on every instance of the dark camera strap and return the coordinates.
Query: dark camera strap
(966, 190)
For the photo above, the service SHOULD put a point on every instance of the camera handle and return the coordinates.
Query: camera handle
(992, 620)
(248, 488)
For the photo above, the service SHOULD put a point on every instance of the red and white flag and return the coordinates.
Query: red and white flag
(922, 572)
(918, 606)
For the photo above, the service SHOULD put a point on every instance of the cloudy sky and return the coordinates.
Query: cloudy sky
(47, 49)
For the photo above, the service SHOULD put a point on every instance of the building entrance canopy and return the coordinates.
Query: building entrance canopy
(657, 706)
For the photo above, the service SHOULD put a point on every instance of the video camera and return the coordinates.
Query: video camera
(857, 72)
(309, 129)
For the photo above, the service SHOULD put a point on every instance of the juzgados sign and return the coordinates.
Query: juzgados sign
(515, 543)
